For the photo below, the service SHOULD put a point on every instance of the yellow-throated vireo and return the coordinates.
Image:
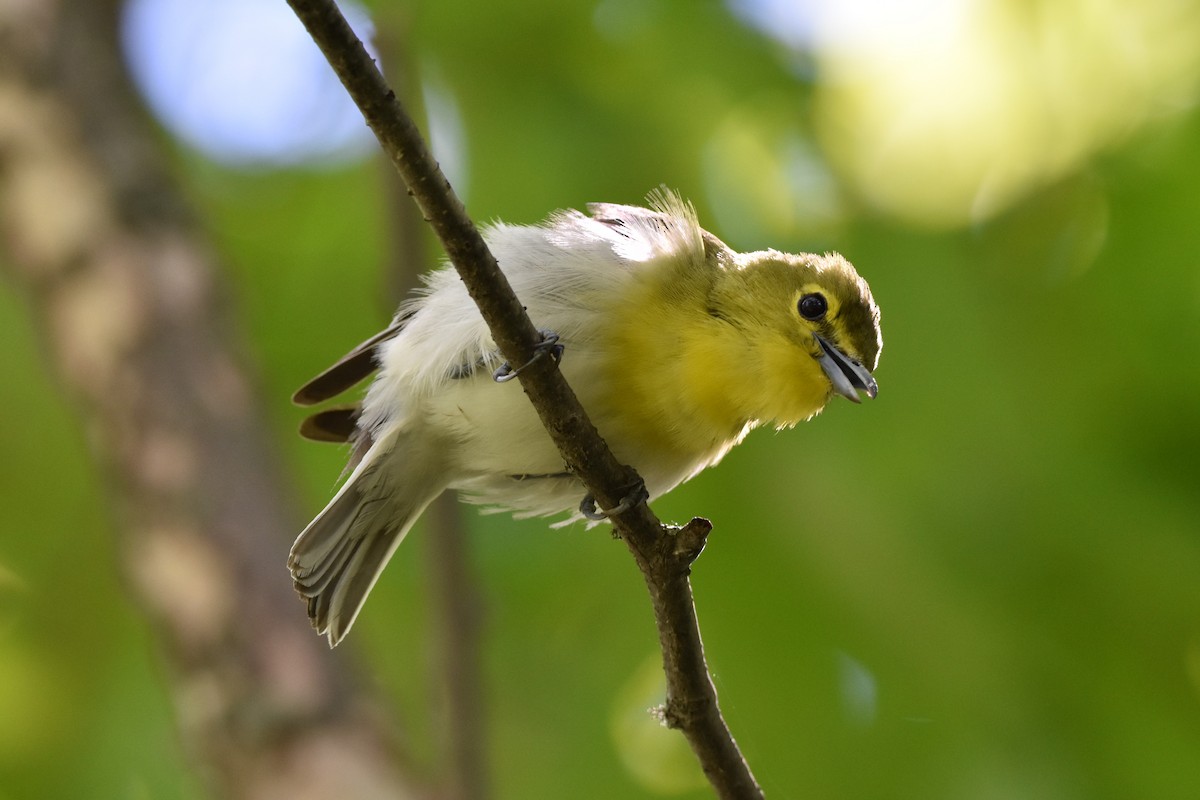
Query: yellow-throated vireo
(676, 345)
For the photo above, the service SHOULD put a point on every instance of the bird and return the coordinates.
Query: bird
(676, 345)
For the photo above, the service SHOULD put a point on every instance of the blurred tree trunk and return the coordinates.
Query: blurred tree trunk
(139, 333)
(454, 599)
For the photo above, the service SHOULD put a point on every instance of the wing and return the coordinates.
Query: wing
(668, 227)
(620, 217)
(338, 424)
(349, 369)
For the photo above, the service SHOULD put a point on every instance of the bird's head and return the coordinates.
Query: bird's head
(811, 321)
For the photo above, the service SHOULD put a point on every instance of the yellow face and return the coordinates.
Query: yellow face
(766, 337)
(812, 325)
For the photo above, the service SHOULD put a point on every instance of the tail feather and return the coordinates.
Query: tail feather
(321, 546)
(363, 569)
(337, 559)
(322, 575)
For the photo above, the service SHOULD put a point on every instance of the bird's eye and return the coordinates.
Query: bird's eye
(813, 306)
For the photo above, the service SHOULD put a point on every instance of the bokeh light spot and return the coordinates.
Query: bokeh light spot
(242, 82)
(944, 113)
(656, 757)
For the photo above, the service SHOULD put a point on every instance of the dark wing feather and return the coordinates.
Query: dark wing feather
(338, 424)
(349, 369)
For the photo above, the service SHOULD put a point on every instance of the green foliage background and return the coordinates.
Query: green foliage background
(984, 584)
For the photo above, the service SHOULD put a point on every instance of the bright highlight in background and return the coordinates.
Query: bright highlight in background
(944, 112)
(242, 82)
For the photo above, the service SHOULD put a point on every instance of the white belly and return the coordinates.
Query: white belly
(498, 453)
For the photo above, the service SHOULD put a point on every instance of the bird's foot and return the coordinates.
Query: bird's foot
(636, 495)
(547, 346)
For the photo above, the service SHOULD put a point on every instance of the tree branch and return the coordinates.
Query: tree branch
(663, 554)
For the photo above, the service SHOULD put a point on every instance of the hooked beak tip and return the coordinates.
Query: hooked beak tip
(846, 375)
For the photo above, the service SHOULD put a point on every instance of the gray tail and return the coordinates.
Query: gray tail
(337, 559)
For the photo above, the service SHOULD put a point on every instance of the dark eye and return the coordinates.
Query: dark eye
(813, 306)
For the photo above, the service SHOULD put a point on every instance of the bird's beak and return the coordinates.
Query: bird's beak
(847, 375)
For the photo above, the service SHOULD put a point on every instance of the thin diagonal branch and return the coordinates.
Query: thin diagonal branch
(663, 554)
